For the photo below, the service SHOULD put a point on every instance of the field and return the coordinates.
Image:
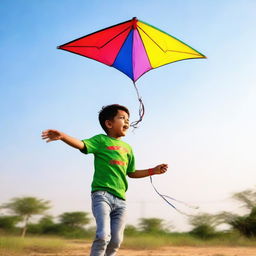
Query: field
(14, 246)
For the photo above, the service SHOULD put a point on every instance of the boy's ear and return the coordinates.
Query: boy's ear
(108, 124)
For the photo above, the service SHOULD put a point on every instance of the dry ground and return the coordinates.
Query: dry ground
(82, 249)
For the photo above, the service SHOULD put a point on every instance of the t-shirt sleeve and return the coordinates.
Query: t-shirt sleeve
(131, 164)
(91, 145)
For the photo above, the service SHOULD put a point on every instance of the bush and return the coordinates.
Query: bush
(203, 231)
(130, 230)
(8, 222)
(153, 225)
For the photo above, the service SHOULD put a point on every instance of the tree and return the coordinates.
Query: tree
(74, 219)
(203, 218)
(246, 225)
(247, 197)
(8, 222)
(152, 225)
(46, 221)
(44, 226)
(25, 208)
(204, 225)
(130, 230)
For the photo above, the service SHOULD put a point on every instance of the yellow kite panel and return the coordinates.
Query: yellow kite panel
(162, 48)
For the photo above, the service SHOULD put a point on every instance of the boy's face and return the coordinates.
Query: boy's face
(119, 125)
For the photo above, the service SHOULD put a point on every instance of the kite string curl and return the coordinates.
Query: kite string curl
(141, 109)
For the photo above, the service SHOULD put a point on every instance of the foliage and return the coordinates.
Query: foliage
(247, 197)
(225, 217)
(74, 219)
(203, 231)
(42, 227)
(130, 230)
(204, 225)
(246, 225)
(203, 219)
(72, 232)
(71, 225)
(25, 207)
(8, 222)
(152, 225)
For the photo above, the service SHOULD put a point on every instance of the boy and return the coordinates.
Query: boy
(113, 160)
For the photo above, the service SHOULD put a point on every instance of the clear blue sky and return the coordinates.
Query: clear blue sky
(200, 114)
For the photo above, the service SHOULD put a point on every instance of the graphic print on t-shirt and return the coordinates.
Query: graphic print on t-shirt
(121, 150)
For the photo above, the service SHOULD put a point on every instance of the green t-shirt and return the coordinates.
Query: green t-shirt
(113, 159)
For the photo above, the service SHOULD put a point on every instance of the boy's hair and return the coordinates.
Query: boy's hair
(109, 112)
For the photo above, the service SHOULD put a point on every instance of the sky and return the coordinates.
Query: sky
(200, 114)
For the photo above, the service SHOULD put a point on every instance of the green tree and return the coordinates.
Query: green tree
(246, 224)
(204, 225)
(152, 225)
(74, 219)
(8, 222)
(46, 221)
(247, 198)
(44, 226)
(203, 218)
(25, 208)
(130, 230)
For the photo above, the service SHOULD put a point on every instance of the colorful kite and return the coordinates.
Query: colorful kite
(133, 47)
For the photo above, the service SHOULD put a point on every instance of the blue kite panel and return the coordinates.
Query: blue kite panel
(123, 61)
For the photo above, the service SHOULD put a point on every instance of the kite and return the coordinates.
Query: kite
(133, 47)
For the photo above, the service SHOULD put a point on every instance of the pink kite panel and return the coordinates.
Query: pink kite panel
(140, 59)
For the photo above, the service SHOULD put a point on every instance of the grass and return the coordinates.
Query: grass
(18, 245)
(149, 241)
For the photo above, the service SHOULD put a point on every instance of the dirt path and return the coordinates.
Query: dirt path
(79, 249)
(193, 251)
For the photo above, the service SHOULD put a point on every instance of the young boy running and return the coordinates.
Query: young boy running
(113, 161)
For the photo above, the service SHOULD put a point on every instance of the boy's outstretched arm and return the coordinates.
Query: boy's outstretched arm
(52, 135)
(159, 169)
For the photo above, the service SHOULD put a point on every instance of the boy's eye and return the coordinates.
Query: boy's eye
(123, 117)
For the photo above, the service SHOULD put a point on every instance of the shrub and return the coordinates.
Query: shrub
(203, 231)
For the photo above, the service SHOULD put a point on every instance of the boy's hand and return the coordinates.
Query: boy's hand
(161, 168)
(51, 135)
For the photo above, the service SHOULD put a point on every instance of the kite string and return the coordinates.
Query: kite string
(141, 108)
(165, 196)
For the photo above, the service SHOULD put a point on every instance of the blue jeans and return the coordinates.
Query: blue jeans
(109, 212)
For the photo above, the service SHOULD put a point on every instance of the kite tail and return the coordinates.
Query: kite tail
(141, 109)
(178, 201)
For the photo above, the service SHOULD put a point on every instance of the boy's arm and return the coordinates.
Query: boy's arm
(159, 169)
(52, 135)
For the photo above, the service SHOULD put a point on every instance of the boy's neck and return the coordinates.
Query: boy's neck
(114, 136)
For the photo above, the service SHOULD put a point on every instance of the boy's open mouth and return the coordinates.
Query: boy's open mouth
(126, 127)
